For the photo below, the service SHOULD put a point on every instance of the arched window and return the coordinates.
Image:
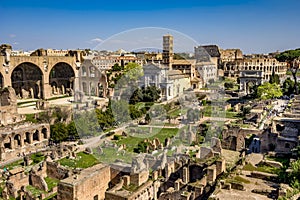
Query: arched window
(83, 71)
(287, 145)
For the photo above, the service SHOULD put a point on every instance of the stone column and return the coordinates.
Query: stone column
(30, 138)
(39, 135)
(185, 175)
(12, 143)
(21, 140)
(220, 165)
(211, 173)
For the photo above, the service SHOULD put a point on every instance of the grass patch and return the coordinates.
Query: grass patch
(82, 160)
(283, 161)
(34, 191)
(37, 158)
(110, 155)
(59, 97)
(52, 196)
(131, 141)
(241, 179)
(261, 168)
(51, 182)
(131, 187)
(18, 163)
(31, 118)
(26, 102)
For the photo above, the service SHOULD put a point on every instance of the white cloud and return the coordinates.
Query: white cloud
(95, 40)
(12, 35)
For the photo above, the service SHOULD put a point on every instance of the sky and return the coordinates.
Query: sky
(254, 26)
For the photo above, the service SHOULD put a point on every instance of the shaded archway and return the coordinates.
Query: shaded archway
(35, 136)
(7, 143)
(17, 140)
(63, 75)
(1, 81)
(26, 79)
(45, 131)
(27, 138)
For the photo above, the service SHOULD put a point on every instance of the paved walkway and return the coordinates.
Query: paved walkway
(254, 158)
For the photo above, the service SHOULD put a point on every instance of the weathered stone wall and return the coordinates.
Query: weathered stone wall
(54, 170)
(139, 178)
(19, 180)
(38, 182)
(90, 184)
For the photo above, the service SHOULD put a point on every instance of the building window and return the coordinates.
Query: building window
(96, 197)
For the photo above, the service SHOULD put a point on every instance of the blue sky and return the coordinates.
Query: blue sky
(255, 26)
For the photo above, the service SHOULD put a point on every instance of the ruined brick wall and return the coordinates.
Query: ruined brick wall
(65, 191)
(19, 180)
(113, 196)
(38, 182)
(55, 171)
(93, 185)
(139, 178)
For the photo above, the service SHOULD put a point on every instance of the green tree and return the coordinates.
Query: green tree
(151, 94)
(141, 148)
(120, 110)
(228, 85)
(274, 78)
(58, 132)
(290, 56)
(246, 110)
(133, 71)
(72, 131)
(137, 96)
(147, 118)
(288, 87)
(295, 175)
(269, 91)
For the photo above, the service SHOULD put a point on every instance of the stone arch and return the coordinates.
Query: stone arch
(7, 142)
(63, 75)
(1, 80)
(26, 79)
(17, 140)
(35, 136)
(45, 133)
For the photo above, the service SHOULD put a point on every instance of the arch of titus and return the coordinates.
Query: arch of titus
(39, 75)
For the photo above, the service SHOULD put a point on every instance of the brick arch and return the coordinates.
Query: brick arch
(7, 142)
(17, 139)
(61, 76)
(27, 137)
(26, 79)
(36, 135)
(45, 133)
